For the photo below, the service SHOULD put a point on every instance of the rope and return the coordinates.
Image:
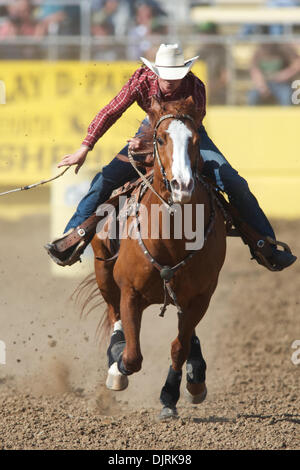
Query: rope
(34, 185)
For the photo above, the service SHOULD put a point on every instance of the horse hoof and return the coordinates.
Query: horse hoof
(115, 380)
(168, 413)
(195, 399)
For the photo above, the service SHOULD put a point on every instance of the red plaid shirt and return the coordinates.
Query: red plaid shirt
(140, 88)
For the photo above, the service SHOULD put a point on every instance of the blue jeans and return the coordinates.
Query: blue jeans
(117, 173)
(281, 91)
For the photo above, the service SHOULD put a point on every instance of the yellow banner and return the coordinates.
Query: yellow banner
(262, 145)
(48, 109)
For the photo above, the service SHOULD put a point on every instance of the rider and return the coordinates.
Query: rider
(170, 79)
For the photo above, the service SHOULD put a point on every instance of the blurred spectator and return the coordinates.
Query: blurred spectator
(71, 23)
(110, 18)
(148, 21)
(103, 20)
(20, 20)
(214, 56)
(50, 17)
(2, 11)
(273, 68)
(114, 15)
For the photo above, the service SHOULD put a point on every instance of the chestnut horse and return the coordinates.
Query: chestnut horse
(155, 270)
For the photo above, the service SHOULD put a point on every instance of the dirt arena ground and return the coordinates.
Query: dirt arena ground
(52, 393)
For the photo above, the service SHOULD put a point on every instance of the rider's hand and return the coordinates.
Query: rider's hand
(135, 144)
(76, 158)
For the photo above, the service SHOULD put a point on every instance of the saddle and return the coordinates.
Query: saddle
(66, 250)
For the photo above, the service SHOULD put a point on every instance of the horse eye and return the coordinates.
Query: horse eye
(160, 141)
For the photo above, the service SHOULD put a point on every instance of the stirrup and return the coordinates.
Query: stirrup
(68, 256)
(262, 259)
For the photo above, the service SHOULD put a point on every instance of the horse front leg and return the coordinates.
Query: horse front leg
(184, 347)
(170, 392)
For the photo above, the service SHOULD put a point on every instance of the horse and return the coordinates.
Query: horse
(156, 270)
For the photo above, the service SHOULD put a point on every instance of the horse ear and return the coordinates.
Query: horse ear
(190, 103)
(190, 106)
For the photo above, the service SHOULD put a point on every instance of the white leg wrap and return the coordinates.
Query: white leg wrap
(115, 380)
(118, 326)
(195, 399)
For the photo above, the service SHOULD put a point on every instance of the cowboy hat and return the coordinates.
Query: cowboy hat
(169, 62)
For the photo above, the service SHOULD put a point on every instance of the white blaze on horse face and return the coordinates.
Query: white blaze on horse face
(182, 183)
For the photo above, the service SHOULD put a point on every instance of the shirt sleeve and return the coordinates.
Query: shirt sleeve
(108, 115)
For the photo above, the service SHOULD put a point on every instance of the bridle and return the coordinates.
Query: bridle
(155, 146)
(168, 204)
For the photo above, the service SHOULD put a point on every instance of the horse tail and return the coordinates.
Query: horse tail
(88, 297)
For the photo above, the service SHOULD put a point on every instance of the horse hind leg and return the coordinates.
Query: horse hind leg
(115, 379)
(196, 390)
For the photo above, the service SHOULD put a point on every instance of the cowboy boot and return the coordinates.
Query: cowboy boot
(277, 260)
(262, 248)
(67, 249)
(70, 255)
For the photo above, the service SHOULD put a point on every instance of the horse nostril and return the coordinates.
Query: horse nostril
(175, 185)
(180, 186)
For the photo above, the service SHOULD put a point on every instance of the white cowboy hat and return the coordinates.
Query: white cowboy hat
(169, 62)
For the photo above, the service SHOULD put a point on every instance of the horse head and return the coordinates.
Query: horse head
(176, 146)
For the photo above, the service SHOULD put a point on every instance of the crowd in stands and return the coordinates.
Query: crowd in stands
(109, 17)
(139, 20)
(272, 69)
(28, 18)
